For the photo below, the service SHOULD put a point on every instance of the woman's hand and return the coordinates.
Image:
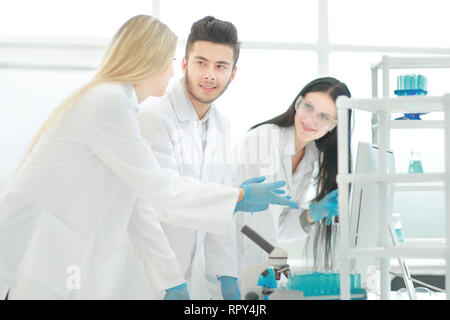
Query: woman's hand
(327, 207)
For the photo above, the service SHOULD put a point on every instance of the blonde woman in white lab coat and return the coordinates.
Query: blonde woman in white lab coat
(65, 212)
(299, 146)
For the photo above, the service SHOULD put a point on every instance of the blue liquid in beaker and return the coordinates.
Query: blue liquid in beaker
(399, 233)
(415, 166)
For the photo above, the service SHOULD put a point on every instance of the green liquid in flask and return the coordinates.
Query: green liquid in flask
(415, 166)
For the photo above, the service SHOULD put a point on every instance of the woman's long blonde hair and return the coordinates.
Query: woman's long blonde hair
(141, 48)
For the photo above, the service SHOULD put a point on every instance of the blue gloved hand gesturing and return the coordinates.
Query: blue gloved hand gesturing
(177, 293)
(259, 195)
(230, 288)
(327, 207)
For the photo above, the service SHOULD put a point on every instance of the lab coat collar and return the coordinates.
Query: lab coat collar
(287, 144)
(131, 93)
(287, 149)
(312, 152)
(184, 109)
(287, 140)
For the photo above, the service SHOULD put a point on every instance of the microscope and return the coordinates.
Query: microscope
(278, 261)
(310, 286)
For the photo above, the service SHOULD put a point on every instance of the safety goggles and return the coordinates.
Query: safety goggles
(322, 119)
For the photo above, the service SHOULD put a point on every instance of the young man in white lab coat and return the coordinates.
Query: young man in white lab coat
(189, 135)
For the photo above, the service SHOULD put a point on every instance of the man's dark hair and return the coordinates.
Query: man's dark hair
(216, 31)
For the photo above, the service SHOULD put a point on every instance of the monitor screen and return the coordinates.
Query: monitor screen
(365, 206)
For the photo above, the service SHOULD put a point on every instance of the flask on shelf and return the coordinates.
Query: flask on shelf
(411, 85)
(397, 225)
(415, 163)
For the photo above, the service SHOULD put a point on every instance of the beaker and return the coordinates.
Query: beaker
(415, 163)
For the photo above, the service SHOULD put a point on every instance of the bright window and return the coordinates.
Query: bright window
(256, 20)
(27, 97)
(81, 18)
(407, 23)
(266, 83)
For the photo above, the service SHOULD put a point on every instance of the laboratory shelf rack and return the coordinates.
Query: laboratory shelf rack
(389, 63)
(381, 109)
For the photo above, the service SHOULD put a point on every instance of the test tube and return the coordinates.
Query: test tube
(322, 283)
(336, 283)
(414, 82)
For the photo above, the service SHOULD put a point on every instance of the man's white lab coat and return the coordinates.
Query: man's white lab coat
(199, 149)
(66, 212)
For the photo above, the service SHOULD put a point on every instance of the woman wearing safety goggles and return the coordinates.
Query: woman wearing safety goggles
(299, 146)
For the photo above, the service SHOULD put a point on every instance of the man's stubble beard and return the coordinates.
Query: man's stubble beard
(191, 91)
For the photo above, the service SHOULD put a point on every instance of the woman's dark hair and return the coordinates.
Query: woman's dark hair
(216, 31)
(327, 146)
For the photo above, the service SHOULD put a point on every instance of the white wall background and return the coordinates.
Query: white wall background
(48, 48)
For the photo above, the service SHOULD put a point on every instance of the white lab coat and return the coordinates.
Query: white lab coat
(175, 134)
(267, 151)
(67, 209)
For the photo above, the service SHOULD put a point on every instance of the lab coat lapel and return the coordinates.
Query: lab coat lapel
(187, 117)
(198, 143)
(214, 157)
(211, 136)
(287, 169)
(287, 149)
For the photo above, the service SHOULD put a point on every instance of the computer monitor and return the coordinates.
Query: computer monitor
(364, 220)
(365, 208)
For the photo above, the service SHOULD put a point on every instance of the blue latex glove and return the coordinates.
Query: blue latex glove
(325, 208)
(230, 288)
(259, 195)
(177, 293)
